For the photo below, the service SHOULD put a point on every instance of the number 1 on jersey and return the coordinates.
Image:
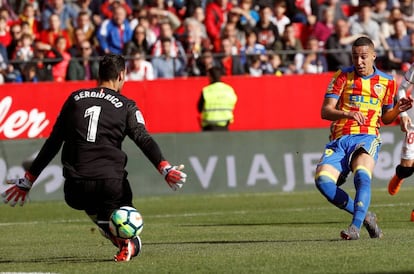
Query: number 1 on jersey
(93, 113)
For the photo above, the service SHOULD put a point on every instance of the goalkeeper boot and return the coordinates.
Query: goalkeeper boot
(394, 185)
(128, 248)
(370, 223)
(352, 233)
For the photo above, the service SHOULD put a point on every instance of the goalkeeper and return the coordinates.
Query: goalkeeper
(91, 127)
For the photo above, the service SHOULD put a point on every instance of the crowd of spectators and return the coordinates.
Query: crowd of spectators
(58, 40)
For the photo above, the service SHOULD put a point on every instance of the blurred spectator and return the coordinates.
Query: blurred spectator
(407, 9)
(27, 29)
(44, 65)
(59, 70)
(254, 66)
(29, 73)
(138, 68)
(230, 64)
(24, 51)
(252, 47)
(380, 13)
(279, 19)
(66, 14)
(397, 46)
(5, 37)
(387, 27)
(108, 8)
(337, 9)
(292, 58)
(7, 11)
(199, 16)
(321, 30)
(339, 46)
(15, 33)
(84, 66)
(138, 42)
(83, 22)
(314, 61)
(165, 15)
(91, 7)
(114, 33)
(28, 15)
(204, 63)
(176, 48)
(230, 31)
(275, 62)
(216, 17)
(150, 35)
(3, 52)
(267, 32)
(411, 35)
(362, 23)
(153, 24)
(49, 36)
(3, 68)
(191, 9)
(167, 66)
(194, 42)
(165, 9)
(248, 16)
(299, 10)
(78, 36)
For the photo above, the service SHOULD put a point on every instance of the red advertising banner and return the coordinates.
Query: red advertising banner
(170, 106)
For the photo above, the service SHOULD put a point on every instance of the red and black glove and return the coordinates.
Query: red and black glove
(18, 192)
(173, 175)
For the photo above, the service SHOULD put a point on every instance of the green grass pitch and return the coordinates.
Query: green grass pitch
(229, 233)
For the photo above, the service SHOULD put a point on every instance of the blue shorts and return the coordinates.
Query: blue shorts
(338, 153)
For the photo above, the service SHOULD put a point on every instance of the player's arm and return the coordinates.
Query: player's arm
(402, 92)
(330, 112)
(391, 112)
(20, 187)
(139, 134)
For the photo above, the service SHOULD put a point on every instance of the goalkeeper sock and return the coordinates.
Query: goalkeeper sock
(362, 181)
(326, 184)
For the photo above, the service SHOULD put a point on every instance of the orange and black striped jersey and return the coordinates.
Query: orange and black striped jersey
(370, 95)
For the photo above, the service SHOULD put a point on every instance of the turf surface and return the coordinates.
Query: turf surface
(235, 233)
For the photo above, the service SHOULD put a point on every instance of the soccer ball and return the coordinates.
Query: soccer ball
(126, 222)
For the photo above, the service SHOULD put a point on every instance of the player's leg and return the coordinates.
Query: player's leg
(325, 181)
(364, 155)
(82, 195)
(405, 168)
(326, 177)
(113, 195)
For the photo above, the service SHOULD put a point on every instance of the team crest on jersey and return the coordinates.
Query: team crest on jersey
(378, 89)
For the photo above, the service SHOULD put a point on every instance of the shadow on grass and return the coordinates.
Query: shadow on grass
(244, 242)
(263, 224)
(388, 272)
(55, 260)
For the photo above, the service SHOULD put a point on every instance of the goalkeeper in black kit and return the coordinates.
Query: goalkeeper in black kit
(91, 127)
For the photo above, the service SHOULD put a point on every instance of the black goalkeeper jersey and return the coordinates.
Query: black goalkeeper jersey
(91, 126)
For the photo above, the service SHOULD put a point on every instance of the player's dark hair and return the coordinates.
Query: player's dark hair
(110, 66)
(363, 41)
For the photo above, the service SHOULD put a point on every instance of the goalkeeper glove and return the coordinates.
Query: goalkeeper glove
(18, 192)
(173, 175)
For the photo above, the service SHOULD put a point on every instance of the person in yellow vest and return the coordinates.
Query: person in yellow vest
(216, 103)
